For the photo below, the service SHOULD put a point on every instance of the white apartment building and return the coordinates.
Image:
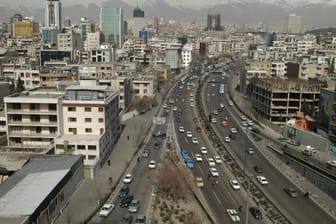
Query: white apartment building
(303, 46)
(30, 77)
(69, 41)
(144, 86)
(278, 69)
(91, 123)
(186, 55)
(102, 55)
(92, 41)
(33, 118)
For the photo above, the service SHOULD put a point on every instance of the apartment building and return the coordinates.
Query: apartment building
(186, 55)
(278, 69)
(91, 123)
(69, 41)
(92, 41)
(144, 86)
(277, 100)
(33, 119)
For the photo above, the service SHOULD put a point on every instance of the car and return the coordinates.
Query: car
(194, 140)
(262, 180)
(128, 178)
(192, 104)
(233, 214)
(106, 210)
(199, 182)
(244, 124)
(165, 106)
(215, 112)
(141, 219)
(151, 164)
(243, 117)
(123, 191)
(174, 108)
(230, 103)
(250, 123)
(126, 201)
(213, 120)
(255, 130)
(204, 150)
(221, 105)
(291, 192)
(258, 169)
(256, 213)
(181, 129)
(225, 123)
(178, 119)
(191, 95)
(232, 136)
(134, 206)
(198, 129)
(331, 163)
(213, 172)
(233, 130)
(185, 154)
(198, 158)
(191, 99)
(157, 145)
(227, 139)
(179, 113)
(145, 153)
(250, 150)
(235, 184)
(189, 134)
(220, 109)
(211, 162)
(218, 160)
(127, 219)
(189, 163)
(195, 119)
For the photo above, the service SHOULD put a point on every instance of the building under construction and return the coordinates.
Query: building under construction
(279, 100)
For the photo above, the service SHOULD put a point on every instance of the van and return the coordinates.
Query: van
(307, 152)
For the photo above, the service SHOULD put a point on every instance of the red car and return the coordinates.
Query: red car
(225, 123)
(198, 129)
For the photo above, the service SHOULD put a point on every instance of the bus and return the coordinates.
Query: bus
(221, 88)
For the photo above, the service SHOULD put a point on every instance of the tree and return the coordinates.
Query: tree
(20, 85)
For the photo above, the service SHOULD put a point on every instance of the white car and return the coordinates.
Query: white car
(128, 178)
(106, 210)
(204, 150)
(230, 103)
(213, 120)
(189, 134)
(191, 95)
(244, 124)
(250, 123)
(175, 108)
(250, 150)
(215, 112)
(211, 162)
(151, 164)
(227, 139)
(331, 163)
(262, 180)
(192, 104)
(191, 99)
(218, 160)
(214, 172)
(194, 140)
(233, 130)
(233, 215)
(198, 158)
(234, 184)
(221, 105)
(243, 117)
(181, 129)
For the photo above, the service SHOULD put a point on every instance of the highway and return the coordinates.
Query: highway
(297, 210)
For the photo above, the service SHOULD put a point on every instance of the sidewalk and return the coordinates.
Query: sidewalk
(87, 197)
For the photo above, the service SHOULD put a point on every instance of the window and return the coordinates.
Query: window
(88, 130)
(34, 106)
(81, 147)
(101, 109)
(72, 119)
(52, 107)
(102, 131)
(16, 106)
(91, 147)
(73, 131)
(136, 91)
(91, 157)
(52, 118)
(52, 130)
(59, 146)
(72, 109)
(100, 120)
(87, 109)
(88, 120)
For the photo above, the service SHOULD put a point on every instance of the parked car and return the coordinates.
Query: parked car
(106, 210)
(134, 206)
(291, 192)
(126, 201)
(127, 219)
(123, 191)
(141, 219)
(128, 178)
(255, 211)
(331, 163)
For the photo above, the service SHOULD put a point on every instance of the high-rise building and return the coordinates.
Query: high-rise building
(86, 27)
(291, 24)
(53, 14)
(156, 24)
(214, 22)
(138, 20)
(112, 25)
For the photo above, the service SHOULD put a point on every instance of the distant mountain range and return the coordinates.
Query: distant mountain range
(314, 13)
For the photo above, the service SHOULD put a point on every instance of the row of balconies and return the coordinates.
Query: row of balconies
(31, 111)
(31, 134)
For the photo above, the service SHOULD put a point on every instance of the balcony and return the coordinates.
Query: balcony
(29, 111)
(30, 134)
(32, 123)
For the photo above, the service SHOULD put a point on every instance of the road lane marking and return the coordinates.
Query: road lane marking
(216, 197)
(152, 195)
